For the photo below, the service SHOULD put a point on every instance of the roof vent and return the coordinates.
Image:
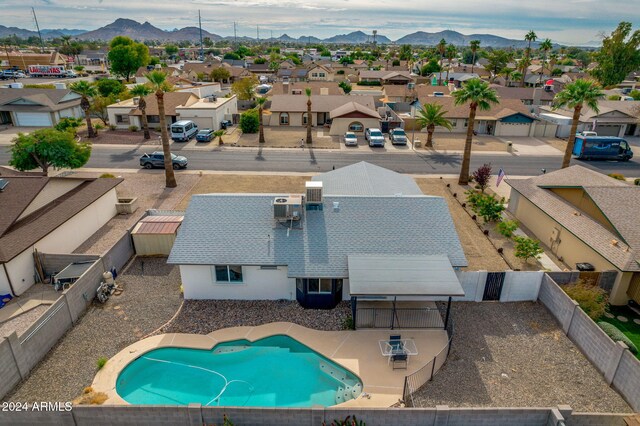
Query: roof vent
(336, 206)
(314, 192)
(3, 184)
(287, 208)
(614, 243)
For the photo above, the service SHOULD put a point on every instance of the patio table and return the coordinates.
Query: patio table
(389, 348)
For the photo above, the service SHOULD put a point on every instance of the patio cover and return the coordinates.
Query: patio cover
(402, 275)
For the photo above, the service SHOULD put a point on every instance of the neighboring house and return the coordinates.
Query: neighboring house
(583, 216)
(385, 77)
(303, 247)
(508, 118)
(126, 113)
(206, 112)
(291, 110)
(259, 69)
(317, 72)
(201, 90)
(353, 117)
(24, 60)
(527, 95)
(38, 107)
(292, 74)
(192, 71)
(482, 72)
(298, 88)
(455, 78)
(50, 214)
(615, 118)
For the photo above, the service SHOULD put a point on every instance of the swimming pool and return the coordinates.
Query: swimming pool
(277, 371)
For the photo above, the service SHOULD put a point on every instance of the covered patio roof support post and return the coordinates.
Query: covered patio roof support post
(393, 314)
(446, 317)
(354, 305)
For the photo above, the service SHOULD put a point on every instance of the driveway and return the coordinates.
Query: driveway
(7, 134)
(530, 146)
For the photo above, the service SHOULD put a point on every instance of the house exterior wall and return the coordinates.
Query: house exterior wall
(295, 119)
(340, 125)
(112, 111)
(74, 112)
(64, 239)
(210, 118)
(321, 74)
(198, 282)
(570, 248)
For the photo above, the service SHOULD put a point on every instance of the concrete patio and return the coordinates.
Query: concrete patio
(357, 351)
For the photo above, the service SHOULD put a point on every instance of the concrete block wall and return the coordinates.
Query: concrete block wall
(521, 286)
(564, 277)
(591, 340)
(596, 419)
(108, 415)
(119, 254)
(557, 302)
(83, 291)
(8, 368)
(627, 379)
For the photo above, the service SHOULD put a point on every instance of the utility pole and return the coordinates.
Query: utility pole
(235, 33)
(258, 33)
(201, 48)
(38, 27)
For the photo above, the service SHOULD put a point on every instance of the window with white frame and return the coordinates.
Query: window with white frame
(228, 273)
(284, 119)
(319, 286)
(356, 127)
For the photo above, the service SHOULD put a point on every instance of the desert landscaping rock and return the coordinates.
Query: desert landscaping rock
(523, 341)
(609, 315)
(146, 303)
(205, 316)
(622, 318)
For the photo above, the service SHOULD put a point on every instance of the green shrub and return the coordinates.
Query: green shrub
(527, 248)
(107, 175)
(487, 206)
(340, 72)
(636, 182)
(347, 324)
(133, 128)
(370, 83)
(249, 122)
(507, 228)
(112, 127)
(68, 124)
(101, 362)
(98, 126)
(617, 335)
(617, 176)
(592, 299)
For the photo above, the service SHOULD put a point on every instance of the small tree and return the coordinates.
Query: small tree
(260, 101)
(507, 228)
(218, 134)
(99, 106)
(345, 86)
(87, 91)
(141, 91)
(527, 248)
(244, 87)
(249, 121)
(489, 207)
(45, 148)
(482, 176)
(68, 124)
(220, 74)
(430, 116)
(126, 56)
(107, 87)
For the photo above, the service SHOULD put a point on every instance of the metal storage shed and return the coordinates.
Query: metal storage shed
(154, 235)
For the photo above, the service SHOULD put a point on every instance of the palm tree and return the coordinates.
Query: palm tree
(86, 90)
(553, 59)
(157, 80)
(545, 46)
(218, 134)
(531, 36)
(442, 47)
(308, 92)
(431, 115)
(141, 90)
(575, 95)
(475, 45)
(507, 73)
(477, 94)
(523, 66)
(451, 53)
(261, 101)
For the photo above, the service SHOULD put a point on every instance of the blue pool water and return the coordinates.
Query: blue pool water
(276, 371)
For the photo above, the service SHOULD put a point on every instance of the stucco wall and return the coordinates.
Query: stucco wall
(66, 238)
(513, 129)
(198, 282)
(341, 125)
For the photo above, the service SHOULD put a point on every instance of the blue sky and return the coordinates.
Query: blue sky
(565, 21)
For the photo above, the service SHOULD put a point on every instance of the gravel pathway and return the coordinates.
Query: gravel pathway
(22, 322)
(205, 316)
(515, 355)
(147, 303)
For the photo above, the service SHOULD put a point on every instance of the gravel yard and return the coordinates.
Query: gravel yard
(147, 303)
(275, 137)
(205, 316)
(22, 322)
(515, 355)
(151, 193)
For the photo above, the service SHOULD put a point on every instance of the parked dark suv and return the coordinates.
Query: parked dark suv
(156, 159)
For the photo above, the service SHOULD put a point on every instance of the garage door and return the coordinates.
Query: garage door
(604, 130)
(514, 129)
(34, 119)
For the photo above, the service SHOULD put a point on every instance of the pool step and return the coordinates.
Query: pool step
(349, 388)
(230, 349)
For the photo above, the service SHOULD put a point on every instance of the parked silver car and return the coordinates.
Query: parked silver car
(350, 139)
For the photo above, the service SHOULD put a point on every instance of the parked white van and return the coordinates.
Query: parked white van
(183, 130)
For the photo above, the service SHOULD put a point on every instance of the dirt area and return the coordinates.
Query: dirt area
(516, 356)
(151, 193)
(150, 299)
(122, 137)
(230, 183)
(290, 138)
(455, 142)
(479, 252)
(557, 143)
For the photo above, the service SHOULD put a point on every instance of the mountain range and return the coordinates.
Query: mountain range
(146, 31)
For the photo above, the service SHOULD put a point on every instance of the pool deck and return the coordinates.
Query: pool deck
(357, 351)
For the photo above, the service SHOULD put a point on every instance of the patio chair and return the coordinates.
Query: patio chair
(400, 360)
(395, 341)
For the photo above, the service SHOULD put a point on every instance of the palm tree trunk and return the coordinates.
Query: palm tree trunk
(145, 124)
(430, 130)
(440, 78)
(86, 106)
(261, 137)
(572, 137)
(170, 178)
(309, 121)
(466, 159)
(473, 62)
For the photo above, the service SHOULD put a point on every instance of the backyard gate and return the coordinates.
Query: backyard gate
(493, 286)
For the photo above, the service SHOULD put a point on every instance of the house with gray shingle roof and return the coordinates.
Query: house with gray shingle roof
(582, 216)
(297, 247)
(38, 107)
(50, 214)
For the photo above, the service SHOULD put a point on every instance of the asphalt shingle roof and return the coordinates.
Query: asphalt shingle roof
(366, 179)
(240, 229)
